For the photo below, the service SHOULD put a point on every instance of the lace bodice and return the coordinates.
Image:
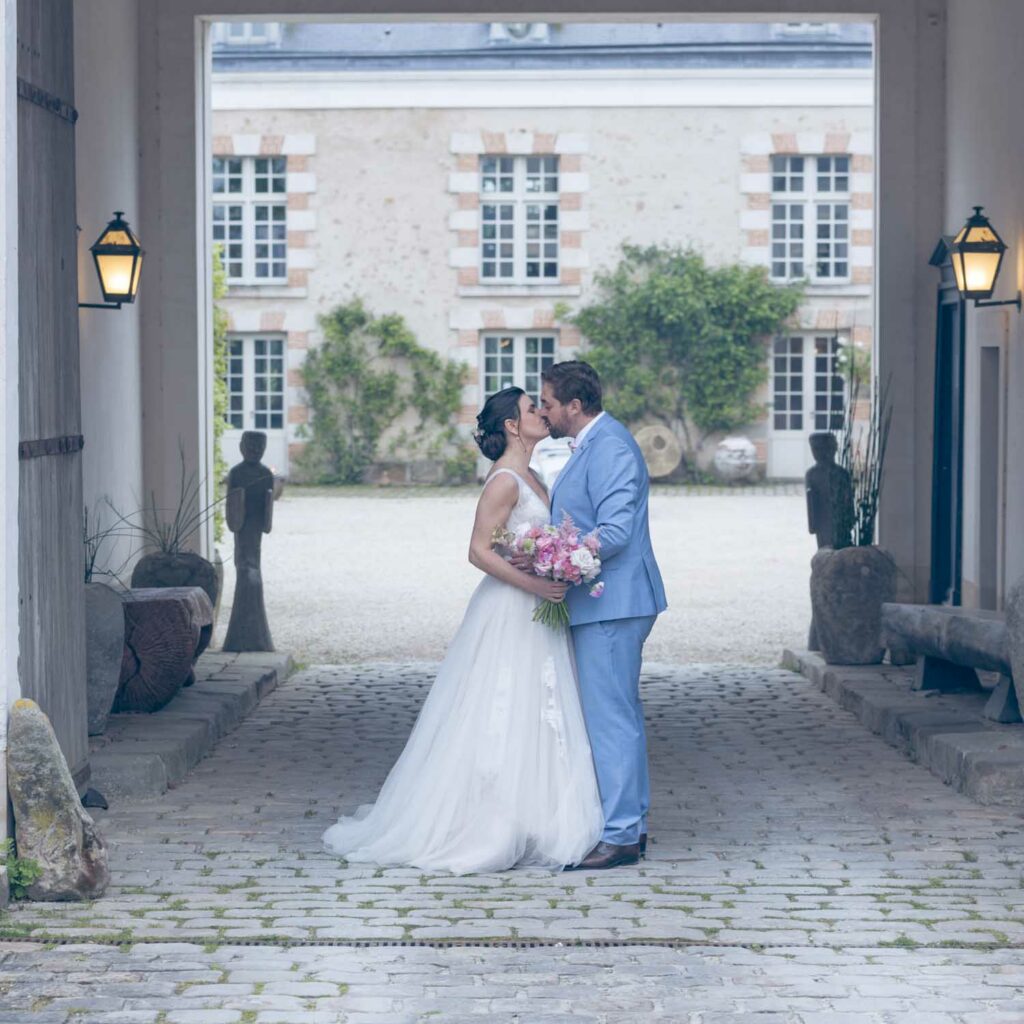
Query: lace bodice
(529, 508)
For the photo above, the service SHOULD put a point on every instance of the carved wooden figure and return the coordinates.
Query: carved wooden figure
(829, 502)
(250, 513)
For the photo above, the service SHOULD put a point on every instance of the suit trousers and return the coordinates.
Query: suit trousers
(608, 659)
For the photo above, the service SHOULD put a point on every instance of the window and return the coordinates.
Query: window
(829, 386)
(247, 33)
(250, 217)
(808, 366)
(518, 219)
(517, 360)
(255, 380)
(810, 218)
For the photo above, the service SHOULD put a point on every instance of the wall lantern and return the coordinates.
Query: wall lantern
(118, 258)
(977, 254)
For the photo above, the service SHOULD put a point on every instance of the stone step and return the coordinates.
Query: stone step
(948, 733)
(141, 755)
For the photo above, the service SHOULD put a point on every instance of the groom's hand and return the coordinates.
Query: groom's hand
(521, 562)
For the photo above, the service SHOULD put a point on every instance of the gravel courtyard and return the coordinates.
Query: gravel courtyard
(355, 575)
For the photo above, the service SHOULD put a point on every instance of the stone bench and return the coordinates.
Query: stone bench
(951, 645)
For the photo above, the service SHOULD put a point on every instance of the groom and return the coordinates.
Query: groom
(605, 485)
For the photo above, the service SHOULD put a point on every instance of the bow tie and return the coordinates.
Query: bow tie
(573, 445)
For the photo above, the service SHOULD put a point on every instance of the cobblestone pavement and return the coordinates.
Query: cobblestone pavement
(807, 871)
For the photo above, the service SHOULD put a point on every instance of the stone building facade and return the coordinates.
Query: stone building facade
(478, 196)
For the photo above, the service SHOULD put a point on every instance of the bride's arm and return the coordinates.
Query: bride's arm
(493, 509)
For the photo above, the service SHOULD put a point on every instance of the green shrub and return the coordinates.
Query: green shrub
(460, 468)
(682, 342)
(365, 375)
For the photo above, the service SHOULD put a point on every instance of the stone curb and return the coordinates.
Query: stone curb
(142, 755)
(946, 733)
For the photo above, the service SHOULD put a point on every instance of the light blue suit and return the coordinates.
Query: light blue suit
(605, 484)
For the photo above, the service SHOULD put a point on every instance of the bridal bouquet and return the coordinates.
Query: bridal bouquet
(558, 553)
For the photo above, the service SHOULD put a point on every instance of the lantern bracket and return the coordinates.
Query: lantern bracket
(1000, 302)
(99, 305)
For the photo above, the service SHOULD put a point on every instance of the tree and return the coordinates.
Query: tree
(363, 377)
(682, 342)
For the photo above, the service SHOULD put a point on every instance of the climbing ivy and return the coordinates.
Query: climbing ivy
(679, 341)
(220, 390)
(366, 375)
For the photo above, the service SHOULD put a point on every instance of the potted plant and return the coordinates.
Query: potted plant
(851, 580)
(167, 533)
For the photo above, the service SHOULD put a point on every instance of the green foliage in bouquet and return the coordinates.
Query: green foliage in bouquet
(360, 380)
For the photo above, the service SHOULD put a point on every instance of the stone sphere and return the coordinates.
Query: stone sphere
(735, 459)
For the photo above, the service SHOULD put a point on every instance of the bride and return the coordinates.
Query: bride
(497, 771)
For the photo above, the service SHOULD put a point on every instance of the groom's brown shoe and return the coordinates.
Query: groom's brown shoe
(607, 855)
(643, 846)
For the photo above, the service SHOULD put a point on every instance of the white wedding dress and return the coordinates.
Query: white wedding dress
(497, 771)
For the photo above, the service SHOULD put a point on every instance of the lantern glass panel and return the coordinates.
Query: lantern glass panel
(116, 238)
(980, 269)
(135, 276)
(958, 271)
(115, 275)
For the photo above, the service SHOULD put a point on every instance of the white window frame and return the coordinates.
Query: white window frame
(522, 374)
(816, 383)
(803, 202)
(244, 367)
(518, 200)
(248, 171)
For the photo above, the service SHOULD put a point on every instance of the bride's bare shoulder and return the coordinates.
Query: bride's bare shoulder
(501, 484)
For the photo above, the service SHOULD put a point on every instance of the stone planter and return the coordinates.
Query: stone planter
(848, 589)
(165, 631)
(1015, 636)
(181, 569)
(104, 643)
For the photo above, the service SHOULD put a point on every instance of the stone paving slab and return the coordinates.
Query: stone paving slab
(805, 870)
(141, 755)
(777, 820)
(945, 732)
(178, 982)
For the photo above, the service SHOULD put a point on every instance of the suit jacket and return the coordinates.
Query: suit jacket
(605, 485)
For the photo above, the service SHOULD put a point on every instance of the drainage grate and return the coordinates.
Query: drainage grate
(285, 942)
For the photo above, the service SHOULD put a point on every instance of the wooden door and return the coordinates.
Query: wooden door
(50, 562)
(948, 442)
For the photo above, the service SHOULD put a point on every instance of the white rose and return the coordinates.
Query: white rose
(583, 560)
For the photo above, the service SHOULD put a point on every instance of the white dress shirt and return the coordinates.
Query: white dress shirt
(578, 439)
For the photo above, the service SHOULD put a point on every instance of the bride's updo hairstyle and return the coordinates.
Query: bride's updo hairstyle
(490, 424)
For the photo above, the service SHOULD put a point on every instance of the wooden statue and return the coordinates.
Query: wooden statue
(829, 494)
(829, 503)
(250, 514)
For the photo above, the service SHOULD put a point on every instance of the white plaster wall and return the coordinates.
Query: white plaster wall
(984, 157)
(656, 176)
(107, 170)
